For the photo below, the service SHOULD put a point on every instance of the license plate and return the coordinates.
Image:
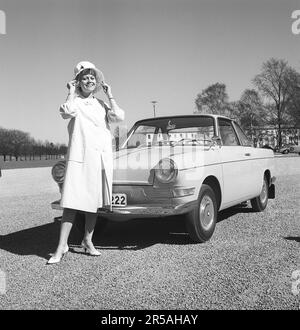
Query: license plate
(119, 200)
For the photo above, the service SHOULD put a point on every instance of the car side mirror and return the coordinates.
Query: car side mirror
(216, 141)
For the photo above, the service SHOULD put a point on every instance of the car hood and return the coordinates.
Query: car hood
(135, 165)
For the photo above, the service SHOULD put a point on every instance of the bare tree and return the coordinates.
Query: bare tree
(251, 110)
(294, 106)
(63, 149)
(20, 144)
(6, 148)
(277, 82)
(18, 139)
(38, 148)
(27, 147)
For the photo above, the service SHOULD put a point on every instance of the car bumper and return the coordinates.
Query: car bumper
(141, 210)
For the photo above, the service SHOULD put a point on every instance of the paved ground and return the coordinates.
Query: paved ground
(150, 264)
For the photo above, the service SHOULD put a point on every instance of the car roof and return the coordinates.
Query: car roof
(185, 116)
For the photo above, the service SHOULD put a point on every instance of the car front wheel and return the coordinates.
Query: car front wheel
(260, 202)
(201, 221)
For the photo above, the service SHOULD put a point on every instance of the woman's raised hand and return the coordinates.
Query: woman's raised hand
(107, 90)
(71, 85)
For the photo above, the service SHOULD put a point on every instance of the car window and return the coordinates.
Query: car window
(205, 132)
(227, 133)
(142, 136)
(242, 136)
(167, 130)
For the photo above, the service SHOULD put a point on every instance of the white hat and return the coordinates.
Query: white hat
(83, 65)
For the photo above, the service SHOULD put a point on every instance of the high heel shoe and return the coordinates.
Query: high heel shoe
(87, 250)
(55, 260)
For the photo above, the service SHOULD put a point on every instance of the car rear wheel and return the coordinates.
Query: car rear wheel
(201, 221)
(260, 202)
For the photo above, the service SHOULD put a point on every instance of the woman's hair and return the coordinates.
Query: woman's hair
(85, 72)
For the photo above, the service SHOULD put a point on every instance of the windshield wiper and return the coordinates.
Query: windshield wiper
(174, 143)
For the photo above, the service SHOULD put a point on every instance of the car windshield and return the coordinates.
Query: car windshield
(192, 130)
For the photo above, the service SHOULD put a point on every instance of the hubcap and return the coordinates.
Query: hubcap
(206, 212)
(264, 193)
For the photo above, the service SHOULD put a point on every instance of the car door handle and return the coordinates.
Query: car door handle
(247, 154)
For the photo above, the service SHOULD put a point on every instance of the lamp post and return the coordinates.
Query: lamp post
(154, 102)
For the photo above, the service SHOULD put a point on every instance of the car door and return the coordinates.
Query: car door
(236, 164)
(255, 174)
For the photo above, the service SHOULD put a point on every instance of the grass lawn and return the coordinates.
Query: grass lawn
(27, 163)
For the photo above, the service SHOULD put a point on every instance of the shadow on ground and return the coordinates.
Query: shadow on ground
(228, 213)
(130, 235)
(292, 238)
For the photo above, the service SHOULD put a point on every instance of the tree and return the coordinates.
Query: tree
(251, 110)
(293, 106)
(18, 139)
(63, 149)
(5, 145)
(38, 148)
(18, 144)
(277, 82)
(27, 147)
(213, 99)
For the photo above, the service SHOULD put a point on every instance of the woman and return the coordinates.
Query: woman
(89, 169)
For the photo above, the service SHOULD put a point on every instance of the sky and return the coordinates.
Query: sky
(149, 50)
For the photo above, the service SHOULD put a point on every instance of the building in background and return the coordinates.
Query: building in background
(269, 136)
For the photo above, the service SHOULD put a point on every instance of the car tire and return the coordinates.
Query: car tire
(78, 227)
(260, 202)
(285, 152)
(201, 221)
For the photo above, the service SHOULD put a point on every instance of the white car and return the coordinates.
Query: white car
(191, 165)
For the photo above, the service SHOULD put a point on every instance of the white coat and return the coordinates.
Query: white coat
(89, 161)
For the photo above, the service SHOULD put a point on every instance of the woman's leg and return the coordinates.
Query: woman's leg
(65, 228)
(90, 222)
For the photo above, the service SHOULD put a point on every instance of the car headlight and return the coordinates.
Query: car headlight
(166, 170)
(58, 171)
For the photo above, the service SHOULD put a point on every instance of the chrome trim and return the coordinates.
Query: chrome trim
(56, 205)
(132, 183)
(142, 210)
(157, 169)
(146, 210)
(264, 194)
(206, 212)
(221, 163)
